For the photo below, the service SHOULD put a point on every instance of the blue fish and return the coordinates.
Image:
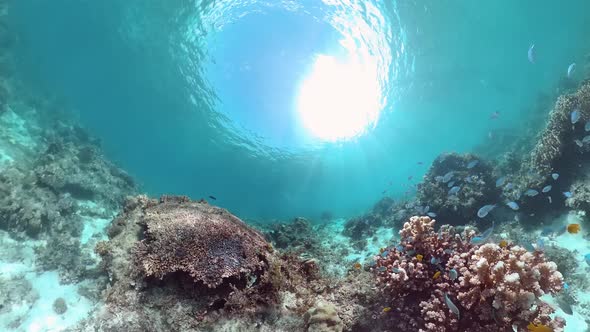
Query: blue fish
(454, 190)
(555, 176)
(399, 248)
(484, 236)
(385, 253)
(567, 194)
(575, 116)
(451, 305)
(566, 286)
(447, 177)
(431, 214)
(570, 70)
(500, 181)
(532, 54)
(531, 193)
(587, 258)
(395, 270)
(509, 186)
(450, 184)
(513, 205)
(484, 210)
(587, 126)
(546, 189)
(540, 245)
(438, 178)
(472, 164)
(448, 251)
(578, 143)
(382, 269)
(453, 274)
(586, 139)
(528, 246)
(434, 261)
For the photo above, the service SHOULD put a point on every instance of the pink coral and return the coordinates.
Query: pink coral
(496, 288)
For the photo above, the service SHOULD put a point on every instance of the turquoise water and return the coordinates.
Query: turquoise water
(325, 125)
(199, 97)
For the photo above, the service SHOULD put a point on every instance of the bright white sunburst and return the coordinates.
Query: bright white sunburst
(339, 99)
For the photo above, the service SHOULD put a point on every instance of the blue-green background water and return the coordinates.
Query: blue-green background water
(197, 98)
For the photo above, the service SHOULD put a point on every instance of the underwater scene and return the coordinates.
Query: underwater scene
(294, 165)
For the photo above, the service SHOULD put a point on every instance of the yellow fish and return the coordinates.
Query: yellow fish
(419, 257)
(387, 309)
(436, 275)
(573, 228)
(357, 265)
(503, 244)
(538, 328)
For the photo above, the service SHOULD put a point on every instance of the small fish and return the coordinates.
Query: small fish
(586, 139)
(494, 115)
(587, 126)
(451, 305)
(555, 176)
(500, 181)
(540, 245)
(484, 236)
(419, 257)
(550, 199)
(431, 214)
(532, 327)
(532, 54)
(531, 193)
(387, 309)
(381, 269)
(578, 143)
(454, 190)
(528, 246)
(484, 210)
(357, 266)
(566, 307)
(399, 248)
(213, 197)
(450, 184)
(573, 228)
(587, 258)
(566, 286)
(385, 253)
(547, 231)
(503, 244)
(447, 177)
(395, 270)
(575, 116)
(567, 194)
(438, 178)
(420, 163)
(448, 251)
(509, 186)
(570, 70)
(453, 274)
(513, 205)
(469, 179)
(410, 177)
(472, 164)
(383, 192)
(436, 275)
(434, 260)
(546, 189)
(426, 209)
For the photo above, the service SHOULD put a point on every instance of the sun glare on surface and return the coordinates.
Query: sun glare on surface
(339, 99)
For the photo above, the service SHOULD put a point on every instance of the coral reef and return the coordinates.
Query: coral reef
(296, 235)
(476, 187)
(195, 238)
(491, 287)
(323, 318)
(558, 137)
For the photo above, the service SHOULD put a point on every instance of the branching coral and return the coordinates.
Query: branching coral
(494, 288)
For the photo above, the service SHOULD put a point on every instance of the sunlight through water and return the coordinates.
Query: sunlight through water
(339, 99)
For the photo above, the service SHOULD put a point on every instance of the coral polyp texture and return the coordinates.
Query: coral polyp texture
(440, 281)
(208, 243)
